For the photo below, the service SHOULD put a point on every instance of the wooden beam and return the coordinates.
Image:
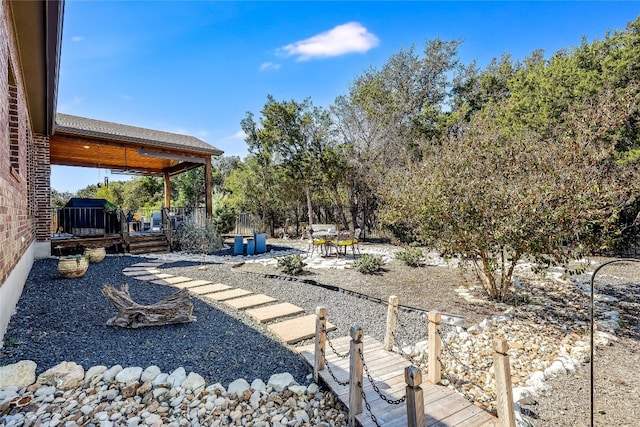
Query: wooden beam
(208, 196)
(167, 190)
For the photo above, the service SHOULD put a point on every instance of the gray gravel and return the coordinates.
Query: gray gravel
(343, 308)
(65, 320)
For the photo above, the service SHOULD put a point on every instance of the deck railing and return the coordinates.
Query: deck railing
(85, 222)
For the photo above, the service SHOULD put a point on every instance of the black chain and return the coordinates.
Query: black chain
(366, 404)
(466, 367)
(402, 353)
(375, 387)
(466, 395)
(326, 364)
(340, 355)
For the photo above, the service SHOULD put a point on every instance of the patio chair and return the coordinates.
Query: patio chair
(314, 243)
(348, 239)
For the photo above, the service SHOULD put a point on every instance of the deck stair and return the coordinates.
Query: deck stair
(148, 243)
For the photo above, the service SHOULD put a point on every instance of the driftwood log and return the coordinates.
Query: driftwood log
(176, 308)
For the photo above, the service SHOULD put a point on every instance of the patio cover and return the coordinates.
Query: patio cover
(83, 142)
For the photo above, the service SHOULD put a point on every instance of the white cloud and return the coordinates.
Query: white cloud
(341, 40)
(269, 66)
(77, 38)
(126, 97)
(238, 135)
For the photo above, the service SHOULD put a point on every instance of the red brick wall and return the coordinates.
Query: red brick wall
(18, 189)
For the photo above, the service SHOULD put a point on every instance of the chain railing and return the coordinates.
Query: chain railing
(358, 366)
(328, 366)
(440, 351)
(336, 352)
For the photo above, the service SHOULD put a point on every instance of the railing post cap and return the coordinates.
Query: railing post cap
(412, 376)
(356, 333)
(435, 316)
(500, 345)
(393, 299)
(321, 311)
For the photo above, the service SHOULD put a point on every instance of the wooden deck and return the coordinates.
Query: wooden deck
(443, 406)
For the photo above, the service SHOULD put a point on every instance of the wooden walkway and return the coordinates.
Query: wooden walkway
(443, 406)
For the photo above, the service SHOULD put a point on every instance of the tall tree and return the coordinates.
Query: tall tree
(293, 136)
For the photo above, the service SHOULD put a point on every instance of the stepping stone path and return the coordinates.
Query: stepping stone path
(261, 307)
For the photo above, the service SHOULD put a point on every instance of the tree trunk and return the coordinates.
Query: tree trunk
(341, 216)
(307, 190)
(176, 308)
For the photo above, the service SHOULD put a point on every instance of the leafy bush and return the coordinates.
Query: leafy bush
(292, 264)
(368, 264)
(413, 257)
(198, 239)
(224, 218)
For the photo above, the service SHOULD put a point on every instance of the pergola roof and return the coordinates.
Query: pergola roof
(79, 141)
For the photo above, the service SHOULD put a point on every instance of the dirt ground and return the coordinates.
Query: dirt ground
(567, 402)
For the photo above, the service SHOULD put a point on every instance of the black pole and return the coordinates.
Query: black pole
(591, 315)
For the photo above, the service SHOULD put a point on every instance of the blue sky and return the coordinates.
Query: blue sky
(197, 67)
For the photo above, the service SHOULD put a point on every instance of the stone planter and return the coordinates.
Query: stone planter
(73, 266)
(95, 254)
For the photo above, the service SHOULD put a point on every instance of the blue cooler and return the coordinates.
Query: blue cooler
(251, 246)
(238, 245)
(261, 242)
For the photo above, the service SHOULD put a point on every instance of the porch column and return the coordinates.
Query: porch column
(167, 190)
(208, 187)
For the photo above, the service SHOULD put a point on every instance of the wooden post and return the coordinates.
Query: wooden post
(208, 188)
(321, 328)
(392, 316)
(167, 190)
(415, 397)
(435, 369)
(504, 392)
(355, 374)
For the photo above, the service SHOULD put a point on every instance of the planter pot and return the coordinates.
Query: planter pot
(73, 266)
(95, 254)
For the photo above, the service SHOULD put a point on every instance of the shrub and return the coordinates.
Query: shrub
(291, 264)
(194, 238)
(224, 218)
(413, 257)
(368, 264)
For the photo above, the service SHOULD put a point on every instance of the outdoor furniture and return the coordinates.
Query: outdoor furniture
(261, 242)
(238, 245)
(314, 242)
(344, 240)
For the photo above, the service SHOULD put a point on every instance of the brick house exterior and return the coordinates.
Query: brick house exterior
(29, 58)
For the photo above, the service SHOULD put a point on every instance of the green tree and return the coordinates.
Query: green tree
(494, 196)
(291, 136)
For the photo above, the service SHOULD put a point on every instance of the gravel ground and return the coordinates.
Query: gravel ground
(343, 309)
(65, 320)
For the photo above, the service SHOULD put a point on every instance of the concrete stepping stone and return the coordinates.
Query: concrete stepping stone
(194, 283)
(147, 264)
(209, 289)
(265, 314)
(225, 295)
(250, 301)
(147, 278)
(128, 269)
(298, 329)
(176, 279)
(143, 272)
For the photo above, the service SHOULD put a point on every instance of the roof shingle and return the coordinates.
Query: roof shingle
(82, 126)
